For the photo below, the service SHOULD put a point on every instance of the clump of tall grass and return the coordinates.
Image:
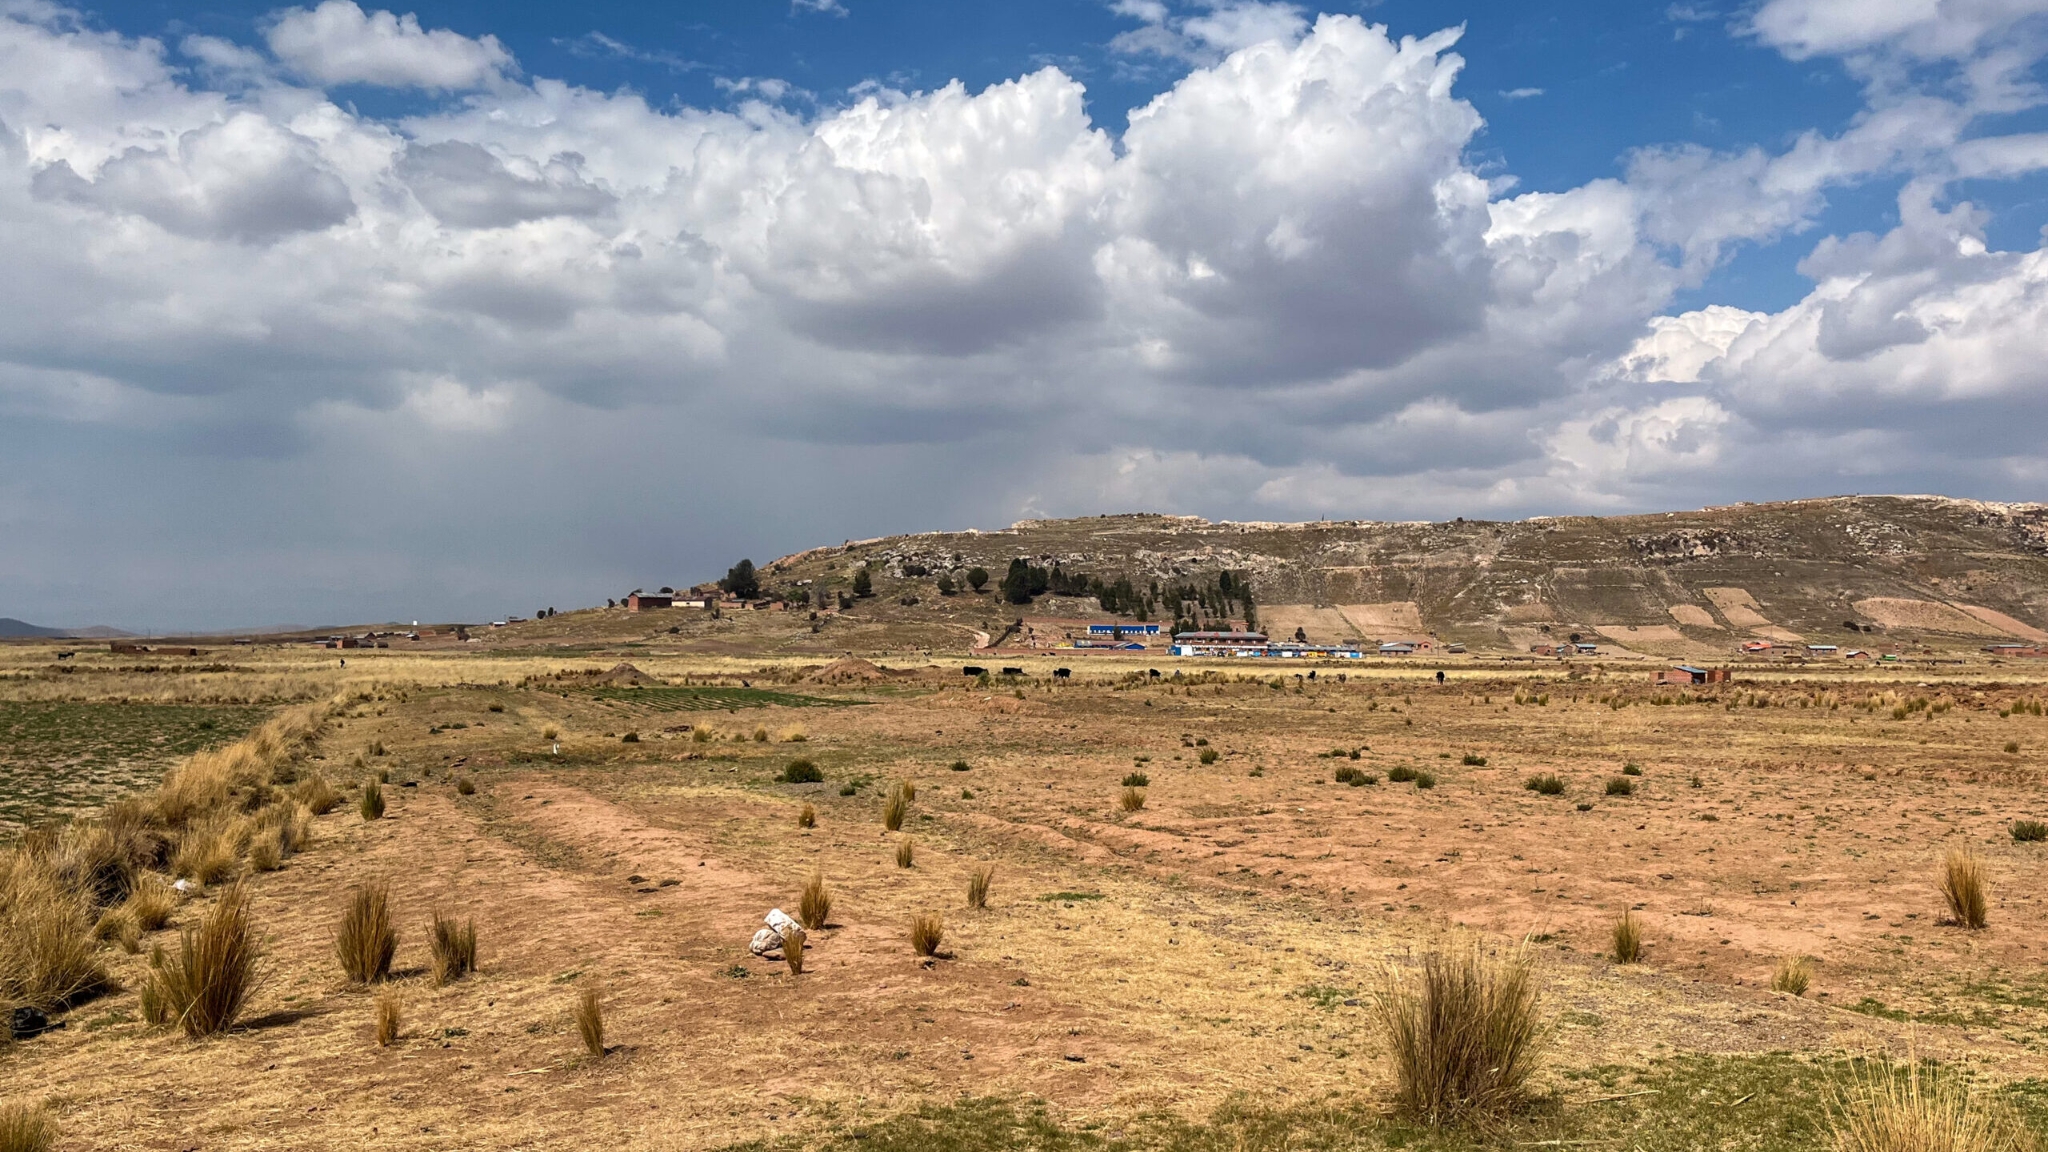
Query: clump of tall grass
(465, 787)
(371, 806)
(590, 1019)
(26, 1127)
(977, 885)
(1794, 974)
(1400, 774)
(1206, 756)
(366, 942)
(389, 1015)
(906, 852)
(151, 901)
(317, 794)
(48, 958)
(1628, 939)
(454, 948)
(815, 905)
(1136, 780)
(1884, 1108)
(203, 988)
(807, 817)
(909, 788)
(802, 771)
(895, 808)
(1964, 887)
(1464, 1034)
(926, 931)
(1131, 800)
(1545, 784)
(2029, 831)
(210, 849)
(1620, 786)
(793, 950)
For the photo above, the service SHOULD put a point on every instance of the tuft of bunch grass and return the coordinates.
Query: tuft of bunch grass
(390, 1013)
(977, 885)
(807, 817)
(814, 907)
(802, 771)
(465, 787)
(1794, 975)
(793, 950)
(1206, 756)
(2029, 831)
(1131, 800)
(317, 794)
(210, 850)
(590, 1019)
(1545, 784)
(26, 1127)
(151, 901)
(366, 942)
(118, 926)
(371, 806)
(204, 987)
(909, 788)
(926, 931)
(906, 853)
(48, 958)
(1400, 774)
(454, 948)
(895, 808)
(1628, 939)
(1964, 887)
(1885, 1108)
(1464, 1034)
(1620, 786)
(1136, 780)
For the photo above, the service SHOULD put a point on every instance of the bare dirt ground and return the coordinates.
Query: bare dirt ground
(1220, 943)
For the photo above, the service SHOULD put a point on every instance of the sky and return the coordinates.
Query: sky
(334, 313)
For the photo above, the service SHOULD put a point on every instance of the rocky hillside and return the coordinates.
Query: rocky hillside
(1856, 571)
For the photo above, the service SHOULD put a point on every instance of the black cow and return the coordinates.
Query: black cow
(971, 670)
(1062, 673)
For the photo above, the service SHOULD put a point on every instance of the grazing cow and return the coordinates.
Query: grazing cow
(1013, 671)
(971, 670)
(1062, 673)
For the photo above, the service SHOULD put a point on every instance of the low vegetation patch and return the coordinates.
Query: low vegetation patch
(926, 931)
(203, 988)
(1464, 1035)
(2029, 831)
(1545, 784)
(801, 771)
(454, 948)
(1964, 887)
(366, 942)
(977, 885)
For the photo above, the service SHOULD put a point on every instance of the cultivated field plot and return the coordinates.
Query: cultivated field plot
(1200, 884)
(58, 757)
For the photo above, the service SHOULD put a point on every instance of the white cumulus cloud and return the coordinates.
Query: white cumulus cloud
(339, 43)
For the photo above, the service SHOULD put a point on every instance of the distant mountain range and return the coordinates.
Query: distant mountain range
(10, 627)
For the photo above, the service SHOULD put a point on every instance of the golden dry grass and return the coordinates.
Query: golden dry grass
(371, 806)
(895, 808)
(1463, 1032)
(317, 794)
(926, 931)
(1885, 1108)
(1794, 974)
(26, 1127)
(906, 852)
(977, 885)
(793, 950)
(365, 942)
(1131, 800)
(589, 1015)
(1964, 887)
(204, 987)
(48, 957)
(390, 1015)
(151, 901)
(1627, 939)
(454, 948)
(815, 905)
(807, 817)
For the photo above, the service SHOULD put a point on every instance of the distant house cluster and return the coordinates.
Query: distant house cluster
(2024, 651)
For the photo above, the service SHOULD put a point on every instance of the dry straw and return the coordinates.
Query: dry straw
(895, 808)
(1885, 1108)
(815, 905)
(205, 986)
(925, 933)
(1628, 939)
(454, 948)
(26, 1128)
(1132, 799)
(977, 885)
(808, 818)
(1964, 888)
(372, 804)
(47, 954)
(389, 1014)
(1463, 1031)
(1794, 975)
(590, 1020)
(366, 942)
(793, 950)
(906, 852)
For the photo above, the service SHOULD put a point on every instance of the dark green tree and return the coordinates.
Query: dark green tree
(977, 577)
(863, 584)
(741, 581)
(945, 584)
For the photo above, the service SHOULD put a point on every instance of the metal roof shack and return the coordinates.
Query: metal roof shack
(642, 601)
(1687, 674)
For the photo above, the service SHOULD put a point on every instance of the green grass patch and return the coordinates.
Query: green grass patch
(1069, 897)
(58, 758)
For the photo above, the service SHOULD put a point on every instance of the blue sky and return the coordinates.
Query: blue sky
(332, 312)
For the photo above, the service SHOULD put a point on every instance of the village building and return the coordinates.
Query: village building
(643, 601)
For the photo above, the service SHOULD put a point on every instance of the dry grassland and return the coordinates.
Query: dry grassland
(1196, 972)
